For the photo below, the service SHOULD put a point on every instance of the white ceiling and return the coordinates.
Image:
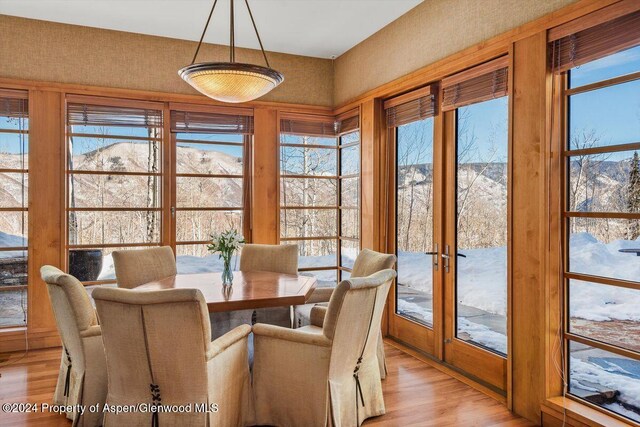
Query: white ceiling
(320, 28)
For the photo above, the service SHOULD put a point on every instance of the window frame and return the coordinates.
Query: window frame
(160, 176)
(244, 209)
(562, 128)
(23, 210)
(337, 207)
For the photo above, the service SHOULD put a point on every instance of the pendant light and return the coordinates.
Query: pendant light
(231, 81)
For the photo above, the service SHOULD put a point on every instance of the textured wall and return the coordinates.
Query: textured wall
(432, 31)
(40, 50)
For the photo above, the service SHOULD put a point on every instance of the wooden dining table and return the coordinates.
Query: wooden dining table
(250, 289)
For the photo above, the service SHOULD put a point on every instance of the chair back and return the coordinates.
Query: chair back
(72, 309)
(275, 258)
(353, 318)
(140, 266)
(369, 262)
(156, 344)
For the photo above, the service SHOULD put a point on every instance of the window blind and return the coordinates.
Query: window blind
(411, 107)
(200, 122)
(14, 103)
(606, 38)
(321, 126)
(487, 81)
(347, 122)
(83, 114)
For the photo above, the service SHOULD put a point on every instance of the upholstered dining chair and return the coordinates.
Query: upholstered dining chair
(367, 262)
(273, 258)
(159, 352)
(137, 267)
(83, 374)
(326, 373)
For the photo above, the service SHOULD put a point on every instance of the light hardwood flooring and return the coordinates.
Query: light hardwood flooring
(415, 393)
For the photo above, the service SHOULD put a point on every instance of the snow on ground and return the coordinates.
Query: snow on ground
(585, 373)
(409, 308)
(483, 335)
(482, 278)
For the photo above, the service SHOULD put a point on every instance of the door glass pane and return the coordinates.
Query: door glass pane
(414, 220)
(481, 224)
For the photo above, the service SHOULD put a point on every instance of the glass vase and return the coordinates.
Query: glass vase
(227, 273)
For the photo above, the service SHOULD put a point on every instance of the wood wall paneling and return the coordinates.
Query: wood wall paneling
(265, 198)
(529, 204)
(46, 204)
(372, 174)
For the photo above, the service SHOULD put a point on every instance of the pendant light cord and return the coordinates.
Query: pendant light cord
(257, 34)
(232, 37)
(204, 32)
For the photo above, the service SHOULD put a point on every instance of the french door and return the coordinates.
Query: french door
(449, 217)
(475, 252)
(416, 223)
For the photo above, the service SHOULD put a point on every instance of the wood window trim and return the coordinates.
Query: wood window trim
(592, 19)
(213, 109)
(484, 82)
(594, 36)
(582, 412)
(105, 101)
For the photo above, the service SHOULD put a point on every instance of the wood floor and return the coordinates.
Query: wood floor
(415, 394)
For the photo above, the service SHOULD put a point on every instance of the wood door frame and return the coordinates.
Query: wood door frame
(413, 333)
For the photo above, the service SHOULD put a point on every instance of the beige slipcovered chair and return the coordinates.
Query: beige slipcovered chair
(159, 351)
(140, 266)
(320, 375)
(83, 374)
(277, 259)
(367, 262)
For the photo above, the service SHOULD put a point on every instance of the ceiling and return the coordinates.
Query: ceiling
(319, 28)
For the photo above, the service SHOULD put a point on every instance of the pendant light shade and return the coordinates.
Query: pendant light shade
(231, 81)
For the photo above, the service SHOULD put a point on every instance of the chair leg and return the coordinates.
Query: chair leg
(382, 362)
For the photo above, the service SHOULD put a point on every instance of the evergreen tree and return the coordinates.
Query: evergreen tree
(633, 196)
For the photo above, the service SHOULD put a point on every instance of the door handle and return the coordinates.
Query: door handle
(461, 255)
(446, 257)
(434, 254)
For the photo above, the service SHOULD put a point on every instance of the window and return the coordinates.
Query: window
(211, 190)
(319, 194)
(600, 84)
(114, 182)
(14, 184)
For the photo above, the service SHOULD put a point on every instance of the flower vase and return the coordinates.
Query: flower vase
(227, 273)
